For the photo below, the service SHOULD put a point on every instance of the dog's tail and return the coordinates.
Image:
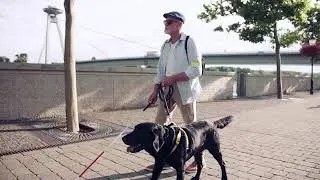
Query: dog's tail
(223, 122)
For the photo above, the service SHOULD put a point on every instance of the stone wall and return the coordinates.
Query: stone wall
(33, 90)
(258, 85)
(30, 90)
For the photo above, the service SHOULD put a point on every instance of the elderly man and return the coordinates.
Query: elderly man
(179, 67)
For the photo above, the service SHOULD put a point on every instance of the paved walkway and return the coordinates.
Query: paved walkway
(269, 139)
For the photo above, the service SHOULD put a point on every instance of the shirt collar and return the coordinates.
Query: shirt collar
(182, 38)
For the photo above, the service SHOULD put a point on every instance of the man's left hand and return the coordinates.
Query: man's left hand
(167, 81)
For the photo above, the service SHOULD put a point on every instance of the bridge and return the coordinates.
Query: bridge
(288, 58)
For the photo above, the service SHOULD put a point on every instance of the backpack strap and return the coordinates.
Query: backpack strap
(186, 48)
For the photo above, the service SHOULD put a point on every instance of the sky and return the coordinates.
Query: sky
(110, 29)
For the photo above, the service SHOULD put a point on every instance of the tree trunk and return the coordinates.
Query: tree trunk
(70, 72)
(278, 58)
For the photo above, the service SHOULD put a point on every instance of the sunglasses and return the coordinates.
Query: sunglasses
(168, 22)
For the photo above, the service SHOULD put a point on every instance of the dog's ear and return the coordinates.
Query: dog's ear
(158, 142)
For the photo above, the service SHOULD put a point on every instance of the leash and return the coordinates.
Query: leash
(165, 97)
(103, 151)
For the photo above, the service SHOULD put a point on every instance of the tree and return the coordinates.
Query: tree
(311, 25)
(4, 59)
(70, 72)
(260, 21)
(21, 58)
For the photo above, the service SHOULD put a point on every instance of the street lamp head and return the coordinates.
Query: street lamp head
(312, 41)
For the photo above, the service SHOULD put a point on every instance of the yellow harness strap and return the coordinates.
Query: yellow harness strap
(186, 135)
(178, 138)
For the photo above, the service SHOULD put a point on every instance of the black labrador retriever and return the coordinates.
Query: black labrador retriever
(174, 145)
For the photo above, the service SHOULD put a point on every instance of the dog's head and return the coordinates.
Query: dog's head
(147, 136)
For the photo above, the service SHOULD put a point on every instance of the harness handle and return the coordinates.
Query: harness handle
(163, 97)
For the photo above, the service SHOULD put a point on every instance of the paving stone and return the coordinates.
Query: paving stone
(293, 175)
(7, 176)
(296, 171)
(12, 156)
(78, 158)
(31, 153)
(12, 164)
(4, 169)
(278, 172)
(21, 171)
(49, 176)
(65, 173)
(314, 175)
(102, 170)
(87, 154)
(91, 174)
(277, 177)
(38, 169)
(52, 153)
(261, 173)
(28, 177)
(75, 167)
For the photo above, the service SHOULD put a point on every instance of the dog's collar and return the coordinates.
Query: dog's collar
(178, 139)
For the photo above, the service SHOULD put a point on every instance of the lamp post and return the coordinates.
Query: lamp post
(312, 42)
(311, 49)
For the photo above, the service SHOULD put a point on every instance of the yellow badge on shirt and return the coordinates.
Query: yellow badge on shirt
(195, 63)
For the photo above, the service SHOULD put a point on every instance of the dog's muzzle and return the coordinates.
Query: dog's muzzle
(131, 148)
(134, 149)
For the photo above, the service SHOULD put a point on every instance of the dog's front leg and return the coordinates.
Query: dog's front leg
(180, 173)
(158, 166)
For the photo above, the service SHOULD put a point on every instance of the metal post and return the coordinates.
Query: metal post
(311, 82)
(43, 46)
(47, 39)
(242, 84)
(60, 35)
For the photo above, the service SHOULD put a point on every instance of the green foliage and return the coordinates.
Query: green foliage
(234, 27)
(251, 71)
(21, 58)
(260, 18)
(290, 37)
(311, 23)
(219, 28)
(4, 59)
(230, 69)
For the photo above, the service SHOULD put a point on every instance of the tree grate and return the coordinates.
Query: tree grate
(52, 133)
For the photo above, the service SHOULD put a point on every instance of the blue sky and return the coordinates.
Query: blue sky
(110, 28)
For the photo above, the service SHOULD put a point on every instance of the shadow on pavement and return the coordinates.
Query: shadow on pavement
(139, 175)
(25, 121)
(31, 129)
(314, 107)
